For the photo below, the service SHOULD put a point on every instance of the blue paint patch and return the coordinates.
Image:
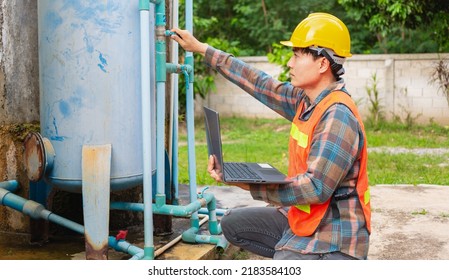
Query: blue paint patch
(104, 15)
(64, 108)
(55, 126)
(103, 63)
(76, 101)
(102, 59)
(57, 138)
(101, 66)
(52, 21)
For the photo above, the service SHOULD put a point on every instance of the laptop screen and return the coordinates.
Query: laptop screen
(213, 136)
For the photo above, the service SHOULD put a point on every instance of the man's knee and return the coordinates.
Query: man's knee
(226, 222)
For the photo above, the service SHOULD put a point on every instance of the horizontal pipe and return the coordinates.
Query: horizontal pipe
(37, 211)
(11, 185)
(175, 210)
(125, 247)
(219, 212)
(191, 236)
(178, 68)
(50, 216)
(11, 200)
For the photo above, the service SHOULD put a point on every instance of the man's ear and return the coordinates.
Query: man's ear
(324, 65)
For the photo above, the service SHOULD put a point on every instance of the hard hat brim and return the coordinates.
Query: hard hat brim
(287, 43)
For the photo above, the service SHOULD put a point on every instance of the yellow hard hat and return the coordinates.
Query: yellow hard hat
(323, 30)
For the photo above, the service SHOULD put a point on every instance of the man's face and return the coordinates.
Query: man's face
(304, 70)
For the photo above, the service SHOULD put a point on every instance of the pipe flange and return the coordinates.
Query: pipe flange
(38, 156)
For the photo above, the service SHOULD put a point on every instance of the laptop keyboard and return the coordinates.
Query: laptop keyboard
(239, 170)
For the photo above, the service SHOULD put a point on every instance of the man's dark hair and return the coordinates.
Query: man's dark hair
(315, 56)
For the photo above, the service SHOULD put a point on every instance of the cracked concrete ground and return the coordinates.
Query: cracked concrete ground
(408, 222)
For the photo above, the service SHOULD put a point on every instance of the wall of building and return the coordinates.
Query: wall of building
(403, 82)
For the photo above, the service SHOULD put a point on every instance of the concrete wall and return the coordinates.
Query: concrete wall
(19, 96)
(19, 76)
(403, 83)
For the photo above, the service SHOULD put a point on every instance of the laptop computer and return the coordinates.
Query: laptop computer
(237, 172)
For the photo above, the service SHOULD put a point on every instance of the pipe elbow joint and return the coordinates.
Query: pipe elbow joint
(10, 185)
(189, 235)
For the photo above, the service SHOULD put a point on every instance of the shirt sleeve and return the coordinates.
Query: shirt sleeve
(282, 97)
(336, 146)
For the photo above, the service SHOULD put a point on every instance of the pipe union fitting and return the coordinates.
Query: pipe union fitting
(33, 209)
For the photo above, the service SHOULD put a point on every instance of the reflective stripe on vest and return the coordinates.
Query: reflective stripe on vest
(304, 219)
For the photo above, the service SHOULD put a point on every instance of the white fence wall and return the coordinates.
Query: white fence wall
(403, 83)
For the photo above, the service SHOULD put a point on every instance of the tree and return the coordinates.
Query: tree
(401, 25)
(251, 27)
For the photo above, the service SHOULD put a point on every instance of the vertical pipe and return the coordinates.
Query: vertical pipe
(190, 117)
(175, 107)
(153, 89)
(161, 78)
(144, 7)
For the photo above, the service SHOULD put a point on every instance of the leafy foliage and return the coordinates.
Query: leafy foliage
(247, 28)
(254, 25)
(399, 26)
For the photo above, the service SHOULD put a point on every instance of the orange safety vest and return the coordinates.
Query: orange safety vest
(304, 219)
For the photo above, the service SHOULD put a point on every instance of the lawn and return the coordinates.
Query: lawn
(266, 140)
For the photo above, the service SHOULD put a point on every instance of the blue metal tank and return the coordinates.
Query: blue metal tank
(89, 67)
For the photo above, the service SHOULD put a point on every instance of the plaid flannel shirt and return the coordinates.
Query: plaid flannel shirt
(333, 162)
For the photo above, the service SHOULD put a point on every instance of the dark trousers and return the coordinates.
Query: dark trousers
(259, 229)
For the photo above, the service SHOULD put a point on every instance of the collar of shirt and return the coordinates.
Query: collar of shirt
(338, 85)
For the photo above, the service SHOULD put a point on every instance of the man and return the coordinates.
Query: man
(325, 212)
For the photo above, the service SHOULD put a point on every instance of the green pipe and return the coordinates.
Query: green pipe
(125, 247)
(160, 200)
(189, 62)
(214, 227)
(191, 236)
(37, 211)
(160, 43)
(178, 68)
(175, 210)
(161, 79)
(144, 4)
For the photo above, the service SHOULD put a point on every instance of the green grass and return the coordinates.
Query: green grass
(266, 140)
(399, 135)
